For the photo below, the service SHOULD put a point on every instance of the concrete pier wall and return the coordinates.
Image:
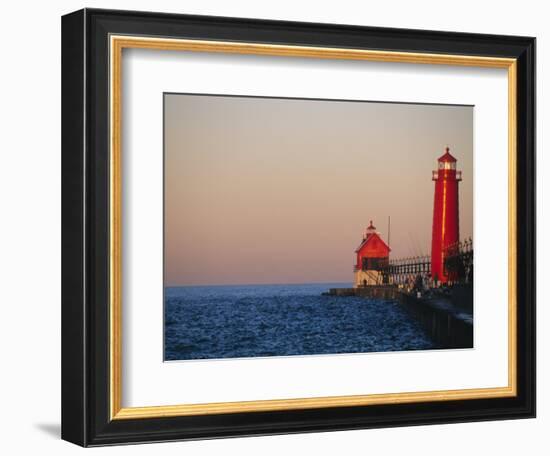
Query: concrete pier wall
(448, 324)
(378, 292)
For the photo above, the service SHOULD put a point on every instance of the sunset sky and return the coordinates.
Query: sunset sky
(267, 190)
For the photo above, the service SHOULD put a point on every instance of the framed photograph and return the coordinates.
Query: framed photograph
(269, 227)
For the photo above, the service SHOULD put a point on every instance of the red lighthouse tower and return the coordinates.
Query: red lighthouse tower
(445, 222)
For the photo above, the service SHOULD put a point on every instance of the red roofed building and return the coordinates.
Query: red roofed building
(372, 256)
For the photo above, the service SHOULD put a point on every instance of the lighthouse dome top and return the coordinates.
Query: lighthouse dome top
(447, 157)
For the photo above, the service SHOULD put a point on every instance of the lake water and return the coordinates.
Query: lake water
(206, 322)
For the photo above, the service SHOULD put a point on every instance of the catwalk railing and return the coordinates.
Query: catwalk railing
(459, 261)
(416, 271)
(407, 271)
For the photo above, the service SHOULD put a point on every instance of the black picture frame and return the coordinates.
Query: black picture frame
(85, 225)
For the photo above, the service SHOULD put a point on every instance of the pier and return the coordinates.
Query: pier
(445, 314)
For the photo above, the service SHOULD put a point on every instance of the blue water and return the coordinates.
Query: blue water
(205, 322)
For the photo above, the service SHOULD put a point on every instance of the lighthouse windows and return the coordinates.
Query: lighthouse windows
(447, 165)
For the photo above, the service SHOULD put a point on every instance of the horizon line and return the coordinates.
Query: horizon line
(256, 284)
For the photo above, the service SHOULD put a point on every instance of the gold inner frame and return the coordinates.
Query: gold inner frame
(117, 44)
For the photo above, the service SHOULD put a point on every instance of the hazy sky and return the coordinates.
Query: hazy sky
(267, 190)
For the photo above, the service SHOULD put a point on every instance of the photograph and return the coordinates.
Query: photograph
(298, 227)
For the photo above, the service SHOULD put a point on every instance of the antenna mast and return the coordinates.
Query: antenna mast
(388, 231)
